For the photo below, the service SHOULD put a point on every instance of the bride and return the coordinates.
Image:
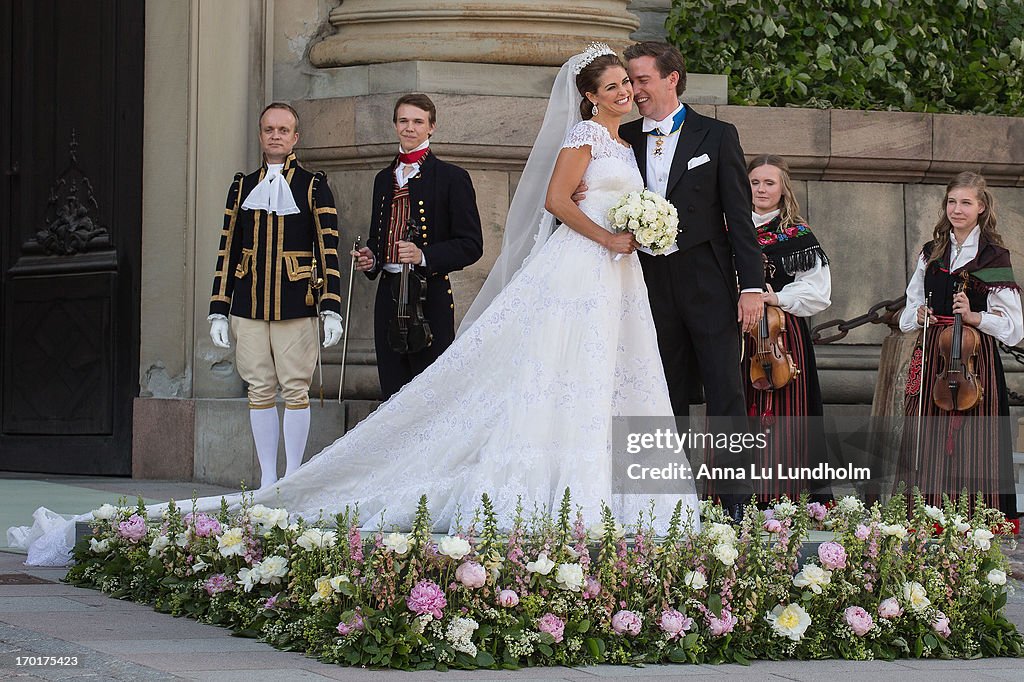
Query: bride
(558, 343)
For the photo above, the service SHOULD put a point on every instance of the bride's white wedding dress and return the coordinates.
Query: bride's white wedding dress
(521, 404)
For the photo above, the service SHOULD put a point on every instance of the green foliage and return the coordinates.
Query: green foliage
(907, 55)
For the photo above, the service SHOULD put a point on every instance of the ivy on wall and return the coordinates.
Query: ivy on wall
(908, 55)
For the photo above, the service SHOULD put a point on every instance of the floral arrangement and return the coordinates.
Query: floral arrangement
(551, 591)
(651, 218)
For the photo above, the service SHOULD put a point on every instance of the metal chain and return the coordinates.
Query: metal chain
(1017, 355)
(870, 317)
(892, 307)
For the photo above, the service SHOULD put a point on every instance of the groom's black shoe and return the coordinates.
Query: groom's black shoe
(736, 512)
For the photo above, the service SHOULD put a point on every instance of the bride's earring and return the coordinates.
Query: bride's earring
(594, 110)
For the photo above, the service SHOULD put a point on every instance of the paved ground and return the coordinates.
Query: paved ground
(119, 640)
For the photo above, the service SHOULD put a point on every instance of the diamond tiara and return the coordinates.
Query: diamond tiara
(581, 61)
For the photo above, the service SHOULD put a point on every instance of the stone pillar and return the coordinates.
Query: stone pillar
(530, 32)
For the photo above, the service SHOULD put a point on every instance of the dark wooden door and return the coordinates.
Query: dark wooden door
(71, 82)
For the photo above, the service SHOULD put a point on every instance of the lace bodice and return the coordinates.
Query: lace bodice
(612, 171)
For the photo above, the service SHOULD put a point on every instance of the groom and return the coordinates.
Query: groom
(697, 164)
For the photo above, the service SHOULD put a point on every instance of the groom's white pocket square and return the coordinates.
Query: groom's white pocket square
(697, 161)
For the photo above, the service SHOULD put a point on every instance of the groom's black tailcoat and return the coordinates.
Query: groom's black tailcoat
(693, 291)
(443, 206)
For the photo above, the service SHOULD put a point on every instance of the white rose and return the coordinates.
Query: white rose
(935, 514)
(314, 537)
(454, 547)
(596, 531)
(696, 580)
(725, 553)
(814, 577)
(160, 543)
(248, 577)
(784, 509)
(272, 569)
(721, 533)
(982, 539)
(915, 596)
(895, 530)
(850, 504)
(99, 546)
(542, 565)
(397, 543)
(231, 542)
(996, 577)
(570, 577)
(105, 512)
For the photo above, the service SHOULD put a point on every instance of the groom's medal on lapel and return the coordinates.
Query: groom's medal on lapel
(677, 124)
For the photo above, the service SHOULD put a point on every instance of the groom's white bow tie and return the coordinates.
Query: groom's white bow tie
(272, 194)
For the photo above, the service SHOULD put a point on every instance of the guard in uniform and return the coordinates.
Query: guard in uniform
(277, 268)
(438, 199)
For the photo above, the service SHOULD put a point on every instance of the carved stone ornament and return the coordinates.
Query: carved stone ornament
(72, 221)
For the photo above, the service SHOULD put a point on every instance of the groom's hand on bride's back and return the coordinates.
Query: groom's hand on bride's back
(581, 193)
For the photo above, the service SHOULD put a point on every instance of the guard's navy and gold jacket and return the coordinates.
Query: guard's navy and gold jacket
(265, 260)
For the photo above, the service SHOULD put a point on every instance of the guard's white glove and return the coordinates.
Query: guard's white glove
(219, 333)
(332, 330)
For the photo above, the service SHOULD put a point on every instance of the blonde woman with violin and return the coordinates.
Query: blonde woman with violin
(778, 364)
(964, 272)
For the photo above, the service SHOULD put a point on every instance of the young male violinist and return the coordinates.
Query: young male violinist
(437, 198)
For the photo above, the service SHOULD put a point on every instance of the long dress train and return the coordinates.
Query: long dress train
(520, 406)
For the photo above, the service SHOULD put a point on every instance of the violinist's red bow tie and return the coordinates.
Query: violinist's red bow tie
(413, 157)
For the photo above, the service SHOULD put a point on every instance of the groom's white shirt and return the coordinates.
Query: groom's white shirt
(658, 166)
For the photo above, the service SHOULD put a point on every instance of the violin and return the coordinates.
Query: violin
(409, 330)
(771, 363)
(956, 385)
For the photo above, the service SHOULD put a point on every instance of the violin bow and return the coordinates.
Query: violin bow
(348, 318)
(920, 383)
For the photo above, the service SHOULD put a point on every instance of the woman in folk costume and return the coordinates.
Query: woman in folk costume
(799, 283)
(964, 270)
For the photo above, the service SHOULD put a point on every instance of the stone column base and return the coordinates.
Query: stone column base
(209, 440)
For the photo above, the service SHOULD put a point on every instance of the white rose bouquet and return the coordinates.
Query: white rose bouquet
(651, 218)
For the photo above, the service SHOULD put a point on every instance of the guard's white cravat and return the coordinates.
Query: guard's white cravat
(272, 194)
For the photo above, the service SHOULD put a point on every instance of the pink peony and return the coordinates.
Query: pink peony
(133, 529)
(832, 555)
(817, 511)
(862, 532)
(216, 584)
(941, 625)
(626, 622)
(508, 598)
(674, 623)
(551, 624)
(426, 597)
(592, 588)
(859, 620)
(204, 525)
(890, 608)
(772, 526)
(354, 625)
(471, 574)
(721, 626)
